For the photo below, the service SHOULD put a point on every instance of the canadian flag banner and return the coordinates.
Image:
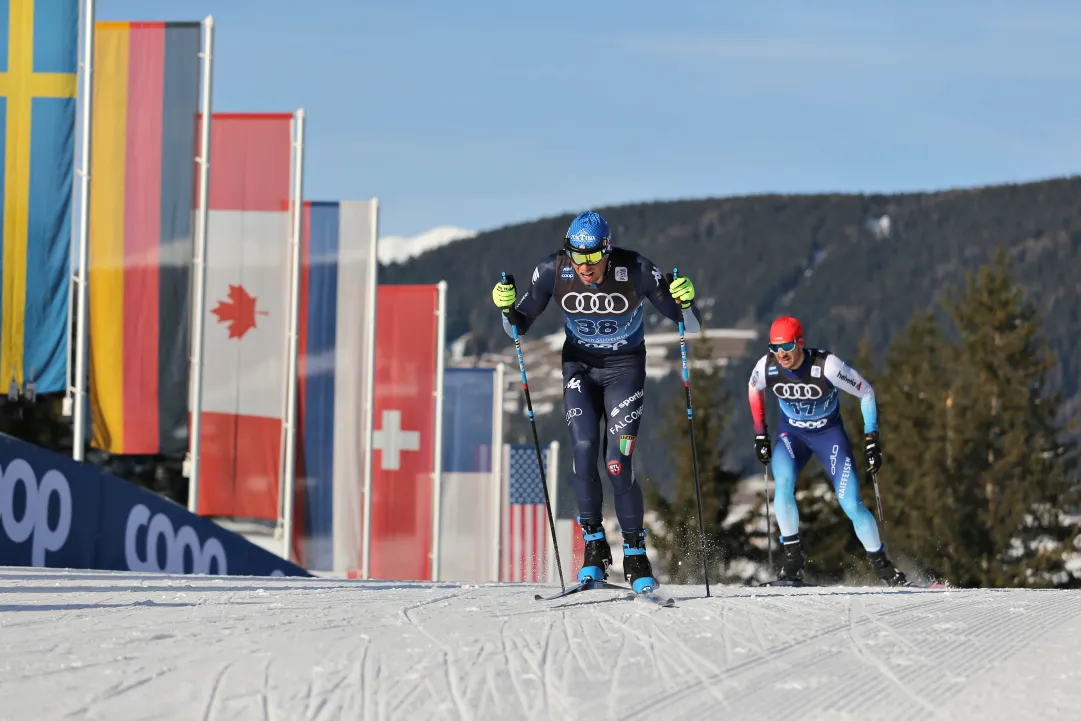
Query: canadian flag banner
(247, 299)
(403, 434)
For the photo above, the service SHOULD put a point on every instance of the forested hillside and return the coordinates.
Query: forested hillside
(814, 256)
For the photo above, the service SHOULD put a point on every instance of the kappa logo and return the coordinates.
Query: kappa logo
(177, 544)
(657, 274)
(627, 401)
(621, 273)
(574, 384)
(614, 468)
(34, 525)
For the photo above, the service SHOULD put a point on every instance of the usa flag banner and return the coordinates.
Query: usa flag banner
(526, 543)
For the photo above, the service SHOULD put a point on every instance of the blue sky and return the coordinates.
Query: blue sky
(483, 113)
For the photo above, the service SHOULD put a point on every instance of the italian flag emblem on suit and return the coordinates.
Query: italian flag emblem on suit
(626, 445)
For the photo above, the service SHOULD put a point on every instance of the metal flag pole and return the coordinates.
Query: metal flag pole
(536, 442)
(198, 308)
(78, 440)
(694, 450)
(437, 464)
(294, 324)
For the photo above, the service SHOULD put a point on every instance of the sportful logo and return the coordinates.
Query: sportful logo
(573, 413)
(159, 529)
(574, 384)
(627, 420)
(34, 524)
(627, 401)
(600, 303)
(797, 391)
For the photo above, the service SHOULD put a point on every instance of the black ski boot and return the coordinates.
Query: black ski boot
(598, 555)
(885, 569)
(792, 570)
(636, 568)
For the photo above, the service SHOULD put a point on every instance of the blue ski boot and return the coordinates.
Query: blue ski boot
(636, 568)
(598, 555)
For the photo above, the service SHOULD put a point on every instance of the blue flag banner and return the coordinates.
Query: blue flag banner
(469, 512)
(38, 65)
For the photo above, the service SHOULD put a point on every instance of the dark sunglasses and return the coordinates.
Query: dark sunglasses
(783, 347)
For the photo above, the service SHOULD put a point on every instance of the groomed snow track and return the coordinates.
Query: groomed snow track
(101, 645)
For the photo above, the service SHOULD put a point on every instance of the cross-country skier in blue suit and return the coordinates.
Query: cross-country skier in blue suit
(602, 290)
(805, 383)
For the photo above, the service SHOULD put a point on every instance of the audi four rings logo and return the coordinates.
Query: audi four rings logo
(573, 413)
(797, 391)
(602, 303)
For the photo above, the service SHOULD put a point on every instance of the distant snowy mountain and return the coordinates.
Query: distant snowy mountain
(398, 249)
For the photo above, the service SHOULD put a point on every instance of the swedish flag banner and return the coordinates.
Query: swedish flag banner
(38, 66)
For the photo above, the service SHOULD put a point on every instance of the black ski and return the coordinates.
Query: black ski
(587, 585)
(787, 583)
(649, 595)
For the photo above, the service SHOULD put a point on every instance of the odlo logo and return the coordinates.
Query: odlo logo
(28, 518)
(161, 549)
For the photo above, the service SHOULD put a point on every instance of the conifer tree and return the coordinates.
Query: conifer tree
(1014, 474)
(677, 539)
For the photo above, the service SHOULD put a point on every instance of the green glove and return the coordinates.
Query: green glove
(503, 296)
(683, 291)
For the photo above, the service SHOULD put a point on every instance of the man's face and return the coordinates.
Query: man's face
(789, 358)
(591, 274)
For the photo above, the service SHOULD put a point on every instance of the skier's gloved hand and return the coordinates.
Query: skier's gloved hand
(683, 291)
(763, 449)
(873, 449)
(503, 296)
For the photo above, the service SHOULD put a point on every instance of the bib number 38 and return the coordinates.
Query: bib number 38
(588, 326)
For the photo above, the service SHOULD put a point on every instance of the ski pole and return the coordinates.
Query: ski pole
(878, 497)
(694, 450)
(536, 442)
(769, 520)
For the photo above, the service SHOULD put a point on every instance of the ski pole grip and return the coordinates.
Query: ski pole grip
(675, 273)
(507, 279)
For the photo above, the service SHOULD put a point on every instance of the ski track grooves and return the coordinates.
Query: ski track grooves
(72, 646)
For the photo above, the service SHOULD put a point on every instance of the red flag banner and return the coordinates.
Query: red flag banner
(403, 437)
(247, 294)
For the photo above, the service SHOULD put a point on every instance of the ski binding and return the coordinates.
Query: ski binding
(650, 595)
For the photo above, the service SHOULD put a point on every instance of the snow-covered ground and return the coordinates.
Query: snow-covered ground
(101, 645)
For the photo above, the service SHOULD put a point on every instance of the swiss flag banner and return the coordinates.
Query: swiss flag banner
(403, 432)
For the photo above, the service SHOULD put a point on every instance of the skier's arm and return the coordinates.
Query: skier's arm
(847, 379)
(535, 299)
(654, 286)
(756, 394)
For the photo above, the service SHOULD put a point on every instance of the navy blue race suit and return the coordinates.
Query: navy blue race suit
(604, 366)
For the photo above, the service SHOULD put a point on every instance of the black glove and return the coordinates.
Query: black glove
(873, 449)
(763, 449)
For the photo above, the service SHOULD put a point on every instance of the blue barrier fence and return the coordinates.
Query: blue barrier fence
(60, 513)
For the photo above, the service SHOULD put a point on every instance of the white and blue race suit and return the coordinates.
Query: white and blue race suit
(604, 366)
(811, 425)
